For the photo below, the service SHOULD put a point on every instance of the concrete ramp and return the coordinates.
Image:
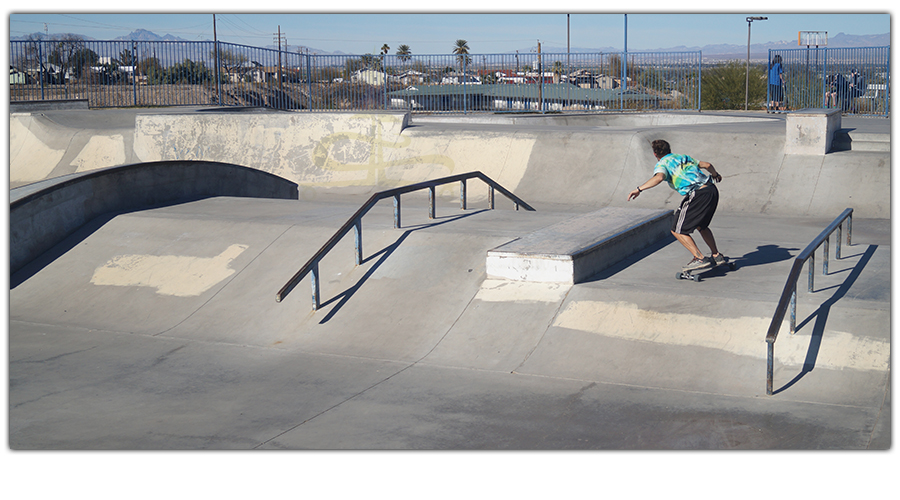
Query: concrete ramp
(42, 146)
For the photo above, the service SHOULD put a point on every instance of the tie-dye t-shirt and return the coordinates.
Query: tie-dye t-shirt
(682, 172)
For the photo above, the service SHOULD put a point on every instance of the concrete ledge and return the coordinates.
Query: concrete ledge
(42, 216)
(573, 250)
(811, 131)
(26, 106)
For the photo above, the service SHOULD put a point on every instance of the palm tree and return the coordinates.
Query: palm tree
(404, 53)
(557, 70)
(385, 49)
(461, 49)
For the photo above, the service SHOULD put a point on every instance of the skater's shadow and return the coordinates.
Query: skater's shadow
(764, 254)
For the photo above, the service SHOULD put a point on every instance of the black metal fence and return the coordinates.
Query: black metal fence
(133, 73)
(857, 80)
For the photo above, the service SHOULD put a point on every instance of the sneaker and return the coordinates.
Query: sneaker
(719, 259)
(696, 263)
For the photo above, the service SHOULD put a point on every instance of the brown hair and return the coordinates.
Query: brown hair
(661, 148)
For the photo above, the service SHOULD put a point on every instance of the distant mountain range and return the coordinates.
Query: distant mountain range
(714, 51)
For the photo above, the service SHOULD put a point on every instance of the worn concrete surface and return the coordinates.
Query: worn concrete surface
(415, 349)
(158, 329)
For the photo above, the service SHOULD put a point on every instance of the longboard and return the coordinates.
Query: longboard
(695, 274)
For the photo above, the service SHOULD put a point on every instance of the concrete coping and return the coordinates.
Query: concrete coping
(815, 112)
(575, 249)
(49, 104)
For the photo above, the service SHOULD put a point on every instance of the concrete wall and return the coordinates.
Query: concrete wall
(586, 160)
(42, 216)
(591, 159)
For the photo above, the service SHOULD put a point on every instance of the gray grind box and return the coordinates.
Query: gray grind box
(573, 250)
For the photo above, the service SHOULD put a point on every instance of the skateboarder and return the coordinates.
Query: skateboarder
(690, 178)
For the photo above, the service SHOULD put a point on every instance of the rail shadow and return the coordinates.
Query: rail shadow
(821, 315)
(382, 256)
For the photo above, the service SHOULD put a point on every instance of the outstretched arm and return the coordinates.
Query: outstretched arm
(656, 179)
(712, 170)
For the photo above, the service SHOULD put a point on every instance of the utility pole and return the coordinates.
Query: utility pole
(279, 38)
(218, 79)
(750, 19)
(541, 76)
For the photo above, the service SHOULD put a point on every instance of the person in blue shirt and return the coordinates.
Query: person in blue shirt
(776, 84)
(693, 179)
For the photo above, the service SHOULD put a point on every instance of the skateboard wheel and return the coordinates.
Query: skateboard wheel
(679, 276)
(695, 277)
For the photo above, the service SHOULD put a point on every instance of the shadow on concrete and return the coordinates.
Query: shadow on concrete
(77, 237)
(631, 259)
(821, 315)
(58, 250)
(382, 256)
(764, 254)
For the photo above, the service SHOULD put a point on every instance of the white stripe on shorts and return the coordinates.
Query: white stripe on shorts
(683, 211)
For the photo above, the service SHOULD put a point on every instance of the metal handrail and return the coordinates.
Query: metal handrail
(355, 222)
(789, 294)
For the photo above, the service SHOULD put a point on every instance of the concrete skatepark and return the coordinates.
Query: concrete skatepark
(154, 325)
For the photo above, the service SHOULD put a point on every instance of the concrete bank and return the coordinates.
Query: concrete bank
(592, 160)
(43, 214)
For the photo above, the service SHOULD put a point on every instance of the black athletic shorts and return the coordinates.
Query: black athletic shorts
(696, 210)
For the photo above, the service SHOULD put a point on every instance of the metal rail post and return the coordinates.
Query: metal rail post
(314, 279)
(794, 309)
(812, 271)
(357, 240)
(431, 202)
(462, 194)
(837, 243)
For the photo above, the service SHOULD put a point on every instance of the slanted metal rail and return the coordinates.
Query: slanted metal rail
(355, 223)
(789, 295)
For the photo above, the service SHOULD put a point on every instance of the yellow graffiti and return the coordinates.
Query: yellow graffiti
(374, 146)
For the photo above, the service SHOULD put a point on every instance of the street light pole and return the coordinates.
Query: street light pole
(747, 84)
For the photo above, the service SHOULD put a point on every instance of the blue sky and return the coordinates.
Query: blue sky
(435, 33)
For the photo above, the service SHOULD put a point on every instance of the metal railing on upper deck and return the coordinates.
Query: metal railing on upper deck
(355, 223)
(856, 80)
(140, 73)
(788, 298)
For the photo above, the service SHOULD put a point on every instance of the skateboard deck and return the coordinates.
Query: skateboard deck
(695, 274)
